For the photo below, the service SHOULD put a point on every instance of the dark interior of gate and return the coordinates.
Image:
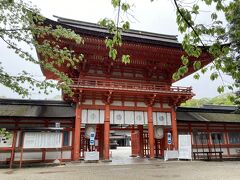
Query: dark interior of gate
(134, 137)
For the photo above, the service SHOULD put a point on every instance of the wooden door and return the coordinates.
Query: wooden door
(135, 144)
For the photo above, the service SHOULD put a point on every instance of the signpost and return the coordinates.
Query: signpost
(169, 138)
(92, 138)
(92, 155)
(170, 154)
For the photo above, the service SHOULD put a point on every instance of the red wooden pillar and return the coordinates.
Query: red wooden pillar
(134, 142)
(150, 131)
(174, 129)
(226, 139)
(77, 131)
(101, 140)
(106, 132)
(140, 129)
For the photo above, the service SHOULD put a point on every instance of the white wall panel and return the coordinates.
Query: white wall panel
(156, 105)
(111, 117)
(154, 118)
(99, 102)
(53, 155)
(139, 117)
(84, 116)
(161, 118)
(101, 117)
(42, 140)
(29, 156)
(118, 117)
(90, 116)
(88, 102)
(129, 117)
(117, 103)
(93, 117)
(169, 119)
(165, 105)
(141, 104)
(234, 151)
(129, 103)
(145, 118)
(4, 156)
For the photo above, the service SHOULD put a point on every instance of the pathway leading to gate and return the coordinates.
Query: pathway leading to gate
(122, 155)
(124, 167)
(156, 170)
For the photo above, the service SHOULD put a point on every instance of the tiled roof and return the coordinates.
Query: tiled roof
(130, 35)
(61, 109)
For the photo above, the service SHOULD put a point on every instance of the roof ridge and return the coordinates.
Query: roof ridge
(95, 25)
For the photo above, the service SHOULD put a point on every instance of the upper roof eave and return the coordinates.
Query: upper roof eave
(131, 35)
(34, 102)
(209, 108)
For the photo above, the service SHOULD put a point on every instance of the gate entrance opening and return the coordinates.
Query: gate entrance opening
(125, 142)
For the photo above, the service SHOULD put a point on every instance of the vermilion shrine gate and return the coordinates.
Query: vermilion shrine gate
(139, 96)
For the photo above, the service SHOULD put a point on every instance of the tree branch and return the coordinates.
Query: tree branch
(22, 29)
(189, 24)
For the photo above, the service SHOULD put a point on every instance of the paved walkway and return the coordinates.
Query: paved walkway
(129, 169)
(122, 155)
(156, 170)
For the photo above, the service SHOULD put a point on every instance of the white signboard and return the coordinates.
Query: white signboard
(42, 140)
(184, 147)
(170, 154)
(91, 156)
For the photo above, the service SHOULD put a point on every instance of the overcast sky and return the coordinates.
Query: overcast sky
(158, 17)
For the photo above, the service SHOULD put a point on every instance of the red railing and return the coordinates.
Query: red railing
(129, 86)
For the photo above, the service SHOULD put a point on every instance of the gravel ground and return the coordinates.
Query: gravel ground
(125, 168)
(156, 169)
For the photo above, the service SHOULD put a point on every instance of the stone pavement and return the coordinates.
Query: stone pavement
(122, 155)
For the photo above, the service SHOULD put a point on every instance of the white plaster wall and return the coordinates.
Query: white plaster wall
(141, 104)
(165, 105)
(99, 102)
(117, 103)
(87, 102)
(4, 156)
(234, 151)
(157, 105)
(29, 156)
(129, 103)
(57, 155)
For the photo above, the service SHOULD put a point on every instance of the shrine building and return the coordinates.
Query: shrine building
(112, 96)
